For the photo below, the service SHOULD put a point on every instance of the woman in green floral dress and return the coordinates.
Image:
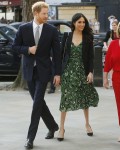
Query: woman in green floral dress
(77, 89)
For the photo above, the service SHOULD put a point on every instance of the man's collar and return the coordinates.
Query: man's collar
(35, 24)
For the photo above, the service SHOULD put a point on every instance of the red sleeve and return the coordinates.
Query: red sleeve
(108, 61)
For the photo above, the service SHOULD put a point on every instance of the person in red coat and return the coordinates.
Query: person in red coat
(112, 61)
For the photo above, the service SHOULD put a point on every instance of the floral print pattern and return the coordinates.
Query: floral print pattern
(76, 92)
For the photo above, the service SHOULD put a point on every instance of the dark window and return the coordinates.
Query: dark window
(8, 31)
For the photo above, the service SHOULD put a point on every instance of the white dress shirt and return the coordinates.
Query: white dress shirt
(35, 27)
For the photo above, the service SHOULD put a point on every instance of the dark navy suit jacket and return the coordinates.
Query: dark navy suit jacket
(49, 39)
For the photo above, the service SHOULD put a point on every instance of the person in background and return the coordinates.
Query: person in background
(112, 62)
(77, 90)
(110, 35)
(3, 20)
(34, 40)
(91, 24)
(96, 26)
(111, 19)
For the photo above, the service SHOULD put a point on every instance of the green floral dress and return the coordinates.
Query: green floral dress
(76, 92)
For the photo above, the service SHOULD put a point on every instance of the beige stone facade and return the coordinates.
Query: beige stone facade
(66, 12)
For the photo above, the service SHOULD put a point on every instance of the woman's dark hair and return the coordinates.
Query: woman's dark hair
(87, 30)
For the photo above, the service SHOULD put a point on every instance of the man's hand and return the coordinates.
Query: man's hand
(56, 80)
(32, 50)
(90, 78)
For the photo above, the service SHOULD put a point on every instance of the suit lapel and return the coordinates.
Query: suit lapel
(31, 33)
(43, 33)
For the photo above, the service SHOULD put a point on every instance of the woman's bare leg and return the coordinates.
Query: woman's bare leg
(62, 122)
(88, 127)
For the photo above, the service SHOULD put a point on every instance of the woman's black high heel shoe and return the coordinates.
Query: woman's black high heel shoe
(90, 133)
(60, 138)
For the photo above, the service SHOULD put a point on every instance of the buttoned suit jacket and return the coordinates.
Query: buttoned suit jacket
(49, 39)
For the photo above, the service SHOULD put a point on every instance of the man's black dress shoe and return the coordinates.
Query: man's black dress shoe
(50, 134)
(29, 144)
(51, 91)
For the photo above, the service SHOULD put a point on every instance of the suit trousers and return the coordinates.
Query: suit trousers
(40, 109)
(52, 86)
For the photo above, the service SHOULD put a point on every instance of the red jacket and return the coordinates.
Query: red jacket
(112, 59)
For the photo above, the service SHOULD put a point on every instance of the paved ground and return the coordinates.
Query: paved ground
(15, 109)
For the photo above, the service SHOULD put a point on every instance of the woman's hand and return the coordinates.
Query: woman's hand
(105, 80)
(90, 78)
(106, 83)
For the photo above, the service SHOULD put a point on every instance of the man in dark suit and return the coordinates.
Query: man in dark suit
(34, 40)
